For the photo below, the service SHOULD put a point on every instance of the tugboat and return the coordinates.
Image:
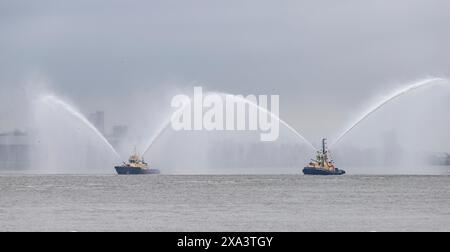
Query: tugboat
(322, 165)
(136, 165)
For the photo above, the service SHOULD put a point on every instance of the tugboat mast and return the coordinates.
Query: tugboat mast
(324, 143)
(324, 151)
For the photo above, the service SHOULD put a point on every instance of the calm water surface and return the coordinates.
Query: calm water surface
(224, 203)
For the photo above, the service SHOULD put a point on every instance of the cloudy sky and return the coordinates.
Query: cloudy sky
(322, 57)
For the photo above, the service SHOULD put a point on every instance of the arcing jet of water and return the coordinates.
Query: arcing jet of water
(273, 116)
(396, 94)
(164, 127)
(54, 101)
(158, 134)
(167, 124)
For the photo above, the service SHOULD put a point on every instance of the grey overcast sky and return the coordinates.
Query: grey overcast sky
(98, 50)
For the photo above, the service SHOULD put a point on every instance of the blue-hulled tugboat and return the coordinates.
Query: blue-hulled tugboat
(135, 166)
(322, 165)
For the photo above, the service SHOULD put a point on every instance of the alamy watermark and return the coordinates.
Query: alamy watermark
(212, 111)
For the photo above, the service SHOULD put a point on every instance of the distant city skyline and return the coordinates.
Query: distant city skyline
(328, 62)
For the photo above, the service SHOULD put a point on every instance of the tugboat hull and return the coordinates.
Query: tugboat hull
(123, 170)
(321, 171)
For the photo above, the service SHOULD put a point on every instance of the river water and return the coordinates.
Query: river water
(224, 203)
